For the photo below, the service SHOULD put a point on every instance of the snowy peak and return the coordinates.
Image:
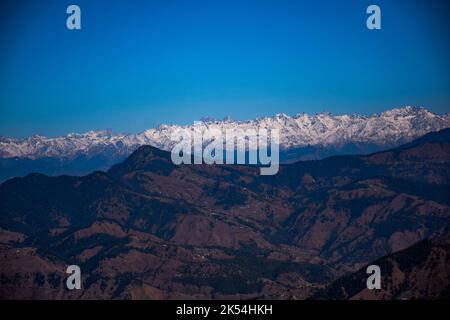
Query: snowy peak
(390, 128)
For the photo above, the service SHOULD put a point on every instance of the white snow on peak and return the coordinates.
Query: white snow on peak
(389, 128)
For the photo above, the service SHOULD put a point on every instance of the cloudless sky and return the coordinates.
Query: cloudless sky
(136, 64)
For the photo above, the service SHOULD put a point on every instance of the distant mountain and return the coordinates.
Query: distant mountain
(150, 229)
(302, 137)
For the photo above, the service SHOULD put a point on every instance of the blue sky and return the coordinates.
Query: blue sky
(136, 64)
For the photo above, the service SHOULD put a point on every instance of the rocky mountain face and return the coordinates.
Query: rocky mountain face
(150, 229)
(302, 137)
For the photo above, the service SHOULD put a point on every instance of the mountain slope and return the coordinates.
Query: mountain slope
(421, 271)
(149, 229)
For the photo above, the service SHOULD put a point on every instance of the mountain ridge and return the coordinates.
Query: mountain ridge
(407, 275)
(302, 137)
(400, 125)
(145, 229)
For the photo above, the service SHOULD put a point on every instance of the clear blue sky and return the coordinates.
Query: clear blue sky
(136, 64)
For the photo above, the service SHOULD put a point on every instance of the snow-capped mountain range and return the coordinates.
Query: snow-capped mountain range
(387, 129)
